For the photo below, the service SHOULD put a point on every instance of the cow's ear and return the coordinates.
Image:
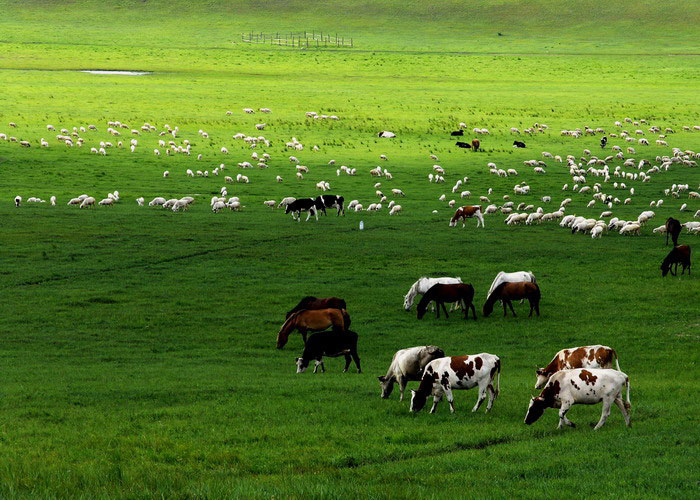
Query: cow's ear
(413, 392)
(381, 379)
(297, 359)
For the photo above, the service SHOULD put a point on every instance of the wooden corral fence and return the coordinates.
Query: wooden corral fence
(303, 39)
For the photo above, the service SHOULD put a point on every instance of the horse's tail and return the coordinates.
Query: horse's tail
(498, 376)
(532, 276)
(617, 360)
(628, 403)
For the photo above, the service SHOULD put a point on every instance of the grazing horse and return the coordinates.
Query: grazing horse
(673, 228)
(315, 303)
(313, 320)
(679, 255)
(467, 212)
(506, 292)
(461, 293)
(504, 277)
(423, 285)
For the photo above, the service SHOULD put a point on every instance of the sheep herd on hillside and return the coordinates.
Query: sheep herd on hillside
(606, 180)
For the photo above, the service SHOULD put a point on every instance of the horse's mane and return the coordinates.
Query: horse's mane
(413, 291)
(301, 305)
(491, 299)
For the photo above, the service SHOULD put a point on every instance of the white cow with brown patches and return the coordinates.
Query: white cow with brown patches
(443, 375)
(588, 386)
(467, 212)
(588, 356)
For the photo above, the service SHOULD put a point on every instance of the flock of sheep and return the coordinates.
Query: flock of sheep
(606, 180)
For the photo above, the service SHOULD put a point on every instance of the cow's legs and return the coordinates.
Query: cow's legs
(318, 363)
(436, 399)
(356, 359)
(402, 386)
(606, 413)
(562, 415)
(492, 396)
(621, 405)
(450, 399)
(473, 310)
(482, 396)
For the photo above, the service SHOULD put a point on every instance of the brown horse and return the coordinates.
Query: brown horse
(461, 293)
(312, 320)
(506, 292)
(316, 303)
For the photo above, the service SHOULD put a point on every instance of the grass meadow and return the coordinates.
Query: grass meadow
(137, 356)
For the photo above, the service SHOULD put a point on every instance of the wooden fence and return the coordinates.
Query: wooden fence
(304, 39)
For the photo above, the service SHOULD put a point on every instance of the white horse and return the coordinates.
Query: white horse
(515, 277)
(423, 285)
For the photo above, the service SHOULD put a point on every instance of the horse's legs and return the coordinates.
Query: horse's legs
(347, 362)
(505, 311)
(303, 335)
(445, 309)
(511, 308)
(532, 306)
(437, 309)
(537, 306)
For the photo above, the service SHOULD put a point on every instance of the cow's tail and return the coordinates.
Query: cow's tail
(627, 402)
(498, 376)
(617, 360)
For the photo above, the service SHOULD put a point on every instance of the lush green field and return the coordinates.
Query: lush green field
(138, 353)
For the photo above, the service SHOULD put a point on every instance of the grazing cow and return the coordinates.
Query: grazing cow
(464, 145)
(443, 375)
(467, 212)
(408, 364)
(476, 144)
(302, 205)
(386, 134)
(603, 142)
(519, 144)
(457, 133)
(679, 255)
(588, 356)
(673, 228)
(586, 386)
(330, 201)
(331, 344)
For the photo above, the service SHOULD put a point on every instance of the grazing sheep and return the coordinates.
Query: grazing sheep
(157, 201)
(395, 210)
(398, 192)
(18, 201)
(106, 201)
(270, 203)
(88, 202)
(218, 206)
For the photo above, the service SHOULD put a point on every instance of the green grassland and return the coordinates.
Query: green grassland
(137, 356)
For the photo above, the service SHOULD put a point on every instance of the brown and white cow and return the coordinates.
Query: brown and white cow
(467, 212)
(588, 356)
(408, 364)
(443, 375)
(588, 386)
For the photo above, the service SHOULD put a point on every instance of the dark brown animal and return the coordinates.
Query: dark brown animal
(476, 144)
(312, 320)
(318, 303)
(673, 228)
(507, 292)
(459, 292)
(679, 255)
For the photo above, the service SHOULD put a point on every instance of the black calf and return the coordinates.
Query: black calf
(331, 344)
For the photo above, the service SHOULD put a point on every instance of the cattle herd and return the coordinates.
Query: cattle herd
(577, 375)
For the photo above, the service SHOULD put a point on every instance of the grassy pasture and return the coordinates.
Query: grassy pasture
(138, 351)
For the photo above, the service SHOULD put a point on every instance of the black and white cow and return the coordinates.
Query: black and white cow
(518, 144)
(330, 201)
(331, 344)
(443, 375)
(408, 364)
(302, 205)
(587, 386)
(603, 142)
(457, 133)
(464, 145)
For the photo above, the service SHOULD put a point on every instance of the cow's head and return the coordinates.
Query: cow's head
(387, 384)
(287, 209)
(542, 378)
(301, 365)
(418, 400)
(535, 410)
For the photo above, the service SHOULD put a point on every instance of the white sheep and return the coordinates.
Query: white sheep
(18, 201)
(87, 202)
(395, 210)
(218, 206)
(106, 201)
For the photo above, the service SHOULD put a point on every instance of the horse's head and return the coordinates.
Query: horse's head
(665, 268)
(488, 308)
(421, 311)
